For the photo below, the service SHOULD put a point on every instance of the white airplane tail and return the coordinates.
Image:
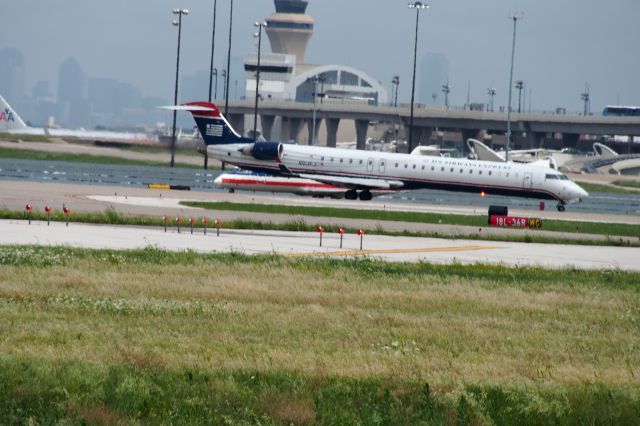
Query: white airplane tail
(9, 119)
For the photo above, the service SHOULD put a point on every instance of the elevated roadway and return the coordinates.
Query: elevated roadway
(470, 123)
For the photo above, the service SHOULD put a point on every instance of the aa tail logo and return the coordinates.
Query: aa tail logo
(7, 115)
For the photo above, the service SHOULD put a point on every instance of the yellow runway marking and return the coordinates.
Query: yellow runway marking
(388, 251)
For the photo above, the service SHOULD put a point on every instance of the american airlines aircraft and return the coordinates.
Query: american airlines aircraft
(11, 123)
(361, 172)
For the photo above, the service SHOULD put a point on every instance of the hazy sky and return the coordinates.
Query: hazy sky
(561, 44)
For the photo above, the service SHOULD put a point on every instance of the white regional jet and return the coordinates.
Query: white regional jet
(11, 123)
(361, 172)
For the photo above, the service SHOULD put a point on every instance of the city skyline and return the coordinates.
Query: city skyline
(559, 46)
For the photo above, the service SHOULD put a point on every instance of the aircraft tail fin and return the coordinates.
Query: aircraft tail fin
(9, 119)
(213, 126)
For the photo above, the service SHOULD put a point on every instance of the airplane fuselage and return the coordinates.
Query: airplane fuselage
(410, 171)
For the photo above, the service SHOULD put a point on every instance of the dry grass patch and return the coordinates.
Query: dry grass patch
(323, 318)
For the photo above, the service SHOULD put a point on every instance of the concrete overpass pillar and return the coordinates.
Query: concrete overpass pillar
(332, 131)
(425, 135)
(237, 122)
(536, 140)
(470, 134)
(291, 128)
(310, 130)
(362, 126)
(416, 135)
(570, 140)
(266, 121)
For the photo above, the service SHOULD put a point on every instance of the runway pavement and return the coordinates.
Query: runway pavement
(305, 244)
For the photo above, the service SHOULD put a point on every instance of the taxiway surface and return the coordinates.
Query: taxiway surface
(306, 244)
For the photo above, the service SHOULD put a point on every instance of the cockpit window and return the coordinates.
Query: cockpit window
(558, 176)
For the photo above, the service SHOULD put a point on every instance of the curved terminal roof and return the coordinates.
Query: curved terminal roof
(342, 78)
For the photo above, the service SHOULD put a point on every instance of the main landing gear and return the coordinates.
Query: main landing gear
(365, 195)
(560, 207)
(352, 194)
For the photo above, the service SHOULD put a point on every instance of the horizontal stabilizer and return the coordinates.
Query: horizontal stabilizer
(187, 108)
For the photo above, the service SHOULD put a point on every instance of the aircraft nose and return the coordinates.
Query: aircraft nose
(217, 181)
(581, 193)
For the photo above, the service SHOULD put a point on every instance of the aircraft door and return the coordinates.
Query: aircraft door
(381, 165)
(370, 165)
(527, 181)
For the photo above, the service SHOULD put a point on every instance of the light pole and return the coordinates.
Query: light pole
(315, 79)
(515, 18)
(492, 92)
(520, 86)
(224, 83)
(586, 98)
(446, 89)
(395, 82)
(215, 89)
(178, 24)
(213, 48)
(259, 25)
(228, 72)
(468, 95)
(417, 6)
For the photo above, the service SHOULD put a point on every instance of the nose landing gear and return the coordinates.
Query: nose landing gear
(560, 207)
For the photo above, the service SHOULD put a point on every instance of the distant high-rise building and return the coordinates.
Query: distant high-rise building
(71, 81)
(434, 72)
(194, 87)
(12, 69)
(41, 90)
(101, 95)
(71, 93)
(289, 29)
(111, 101)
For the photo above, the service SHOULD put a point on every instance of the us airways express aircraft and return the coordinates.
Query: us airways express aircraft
(361, 172)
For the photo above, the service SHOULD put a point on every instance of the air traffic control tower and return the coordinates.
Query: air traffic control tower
(289, 29)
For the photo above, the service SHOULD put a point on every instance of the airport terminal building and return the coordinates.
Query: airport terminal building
(284, 75)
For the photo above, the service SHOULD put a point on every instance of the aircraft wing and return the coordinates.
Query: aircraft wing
(355, 183)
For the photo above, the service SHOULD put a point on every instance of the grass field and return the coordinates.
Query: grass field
(628, 183)
(23, 138)
(617, 188)
(24, 154)
(146, 336)
(449, 219)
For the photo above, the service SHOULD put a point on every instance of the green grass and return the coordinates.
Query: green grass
(627, 183)
(76, 392)
(157, 149)
(155, 337)
(23, 138)
(612, 229)
(297, 223)
(24, 154)
(598, 187)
